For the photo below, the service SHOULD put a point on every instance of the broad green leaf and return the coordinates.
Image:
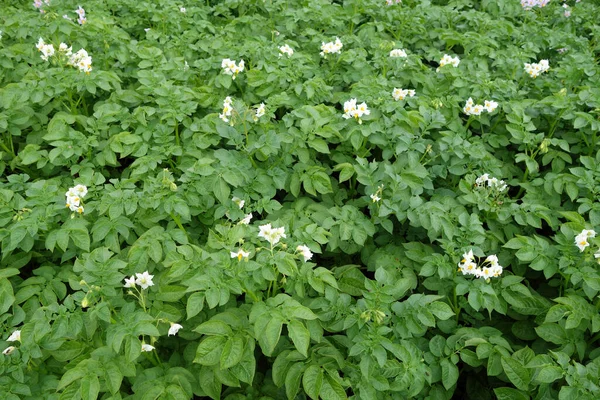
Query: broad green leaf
(209, 350)
(214, 327)
(312, 380)
(506, 393)
(292, 380)
(7, 297)
(209, 383)
(449, 373)
(233, 350)
(516, 373)
(299, 335)
(269, 338)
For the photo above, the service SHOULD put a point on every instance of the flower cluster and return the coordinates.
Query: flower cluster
(271, 235)
(81, 12)
(488, 269)
(75, 197)
(331, 47)
(581, 240)
(493, 183)
(448, 60)
(529, 4)
(81, 60)
(286, 49)
(398, 53)
(230, 68)
(226, 109)
(567, 10)
(401, 94)
(351, 110)
(144, 280)
(260, 111)
(305, 251)
(476, 109)
(535, 69)
(47, 50)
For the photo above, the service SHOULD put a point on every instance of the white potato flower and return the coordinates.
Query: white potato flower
(305, 251)
(286, 49)
(144, 280)
(15, 336)
(240, 254)
(271, 235)
(174, 329)
(398, 53)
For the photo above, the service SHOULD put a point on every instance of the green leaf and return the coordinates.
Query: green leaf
(209, 383)
(300, 336)
(209, 350)
(195, 304)
(214, 327)
(71, 376)
(506, 393)
(441, 310)
(321, 183)
(551, 332)
(449, 373)
(292, 380)
(81, 238)
(312, 380)
(232, 352)
(516, 373)
(549, 374)
(270, 337)
(113, 377)
(90, 387)
(221, 190)
(7, 297)
(332, 389)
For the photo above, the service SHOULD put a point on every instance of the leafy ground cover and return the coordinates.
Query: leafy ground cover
(299, 199)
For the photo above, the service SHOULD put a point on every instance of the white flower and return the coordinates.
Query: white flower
(67, 17)
(375, 198)
(331, 47)
(80, 11)
(63, 48)
(260, 111)
(81, 60)
(477, 109)
(305, 251)
(448, 60)
(129, 283)
(183, 10)
(351, 110)
(174, 329)
(146, 29)
(271, 235)
(536, 69)
(15, 336)
(144, 280)
(490, 105)
(246, 219)
(398, 53)
(581, 240)
(401, 94)
(147, 347)
(286, 49)
(240, 203)
(240, 254)
(230, 67)
(227, 108)
(8, 350)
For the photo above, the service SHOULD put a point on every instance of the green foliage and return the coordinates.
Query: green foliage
(275, 245)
